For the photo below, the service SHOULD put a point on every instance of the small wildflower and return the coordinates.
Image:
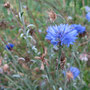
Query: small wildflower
(83, 57)
(87, 9)
(5, 68)
(24, 6)
(52, 15)
(69, 18)
(72, 72)
(7, 5)
(88, 16)
(75, 71)
(80, 29)
(62, 34)
(10, 46)
(40, 31)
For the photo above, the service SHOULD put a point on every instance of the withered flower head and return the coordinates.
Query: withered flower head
(83, 34)
(32, 31)
(42, 58)
(52, 15)
(83, 57)
(7, 5)
(69, 75)
(27, 59)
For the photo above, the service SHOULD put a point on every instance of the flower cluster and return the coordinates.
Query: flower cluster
(88, 13)
(80, 29)
(63, 34)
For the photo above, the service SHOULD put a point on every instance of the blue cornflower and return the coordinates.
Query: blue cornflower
(9, 46)
(88, 16)
(62, 34)
(87, 9)
(80, 29)
(73, 71)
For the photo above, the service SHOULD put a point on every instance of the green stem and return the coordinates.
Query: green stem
(65, 84)
(75, 6)
(49, 77)
(13, 82)
(57, 70)
(59, 55)
(24, 30)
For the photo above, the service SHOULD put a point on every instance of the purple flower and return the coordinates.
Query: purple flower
(9, 46)
(87, 9)
(62, 34)
(88, 16)
(75, 72)
(80, 29)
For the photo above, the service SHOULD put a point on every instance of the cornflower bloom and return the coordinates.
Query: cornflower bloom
(80, 29)
(63, 34)
(72, 72)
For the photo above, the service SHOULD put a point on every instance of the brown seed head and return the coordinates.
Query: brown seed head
(69, 75)
(7, 5)
(52, 15)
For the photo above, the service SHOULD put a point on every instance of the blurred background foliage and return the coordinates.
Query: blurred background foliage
(35, 12)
